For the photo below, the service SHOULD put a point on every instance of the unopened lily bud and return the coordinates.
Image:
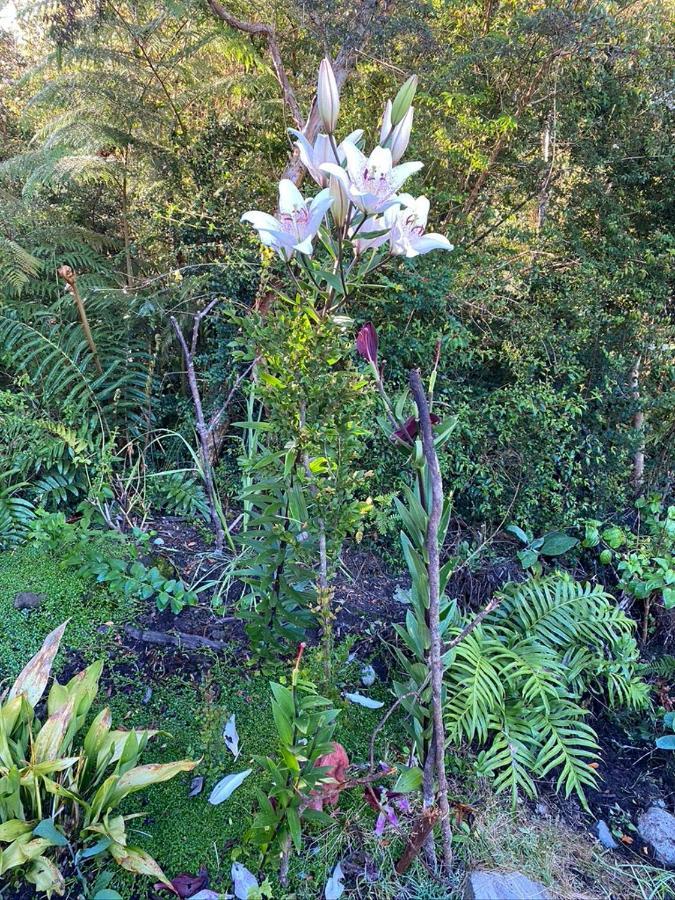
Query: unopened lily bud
(403, 100)
(340, 208)
(366, 343)
(400, 136)
(385, 127)
(327, 96)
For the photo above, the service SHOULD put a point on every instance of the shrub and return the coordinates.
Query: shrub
(61, 790)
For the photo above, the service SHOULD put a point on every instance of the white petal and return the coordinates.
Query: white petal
(400, 173)
(356, 161)
(337, 171)
(305, 246)
(323, 152)
(260, 220)
(352, 138)
(320, 204)
(305, 148)
(421, 207)
(431, 241)
(380, 159)
(290, 197)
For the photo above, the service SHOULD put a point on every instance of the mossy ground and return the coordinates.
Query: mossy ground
(66, 595)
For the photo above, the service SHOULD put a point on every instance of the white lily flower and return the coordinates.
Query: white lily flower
(313, 156)
(372, 225)
(296, 224)
(396, 137)
(371, 182)
(407, 223)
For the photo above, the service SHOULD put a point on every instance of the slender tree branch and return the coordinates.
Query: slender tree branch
(434, 566)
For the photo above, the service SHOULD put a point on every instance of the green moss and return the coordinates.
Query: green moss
(183, 833)
(66, 595)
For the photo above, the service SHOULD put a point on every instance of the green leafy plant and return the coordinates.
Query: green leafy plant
(555, 543)
(644, 556)
(291, 799)
(61, 785)
(92, 552)
(518, 684)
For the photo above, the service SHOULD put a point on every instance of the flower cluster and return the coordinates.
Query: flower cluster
(360, 197)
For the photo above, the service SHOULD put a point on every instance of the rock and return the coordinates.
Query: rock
(541, 809)
(28, 600)
(483, 885)
(657, 828)
(604, 835)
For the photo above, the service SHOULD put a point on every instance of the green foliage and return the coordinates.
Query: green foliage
(518, 682)
(555, 543)
(415, 692)
(179, 493)
(90, 772)
(89, 557)
(16, 514)
(644, 556)
(305, 723)
(300, 465)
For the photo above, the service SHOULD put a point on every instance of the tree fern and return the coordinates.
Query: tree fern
(475, 687)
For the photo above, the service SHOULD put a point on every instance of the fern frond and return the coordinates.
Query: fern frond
(474, 687)
(571, 746)
(511, 757)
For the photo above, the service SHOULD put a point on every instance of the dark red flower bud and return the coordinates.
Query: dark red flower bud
(366, 343)
(407, 433)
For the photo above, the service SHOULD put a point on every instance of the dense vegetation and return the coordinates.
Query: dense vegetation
(374, 515)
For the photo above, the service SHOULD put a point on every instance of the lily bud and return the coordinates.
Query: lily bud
(403, 100)
(385, 127)
(340, 208)
(408, 431)
(400, 136)
(327, 96)
(366, 343)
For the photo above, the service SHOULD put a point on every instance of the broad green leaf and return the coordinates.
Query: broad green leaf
(409, 780)
(47, 829)
(556, 543)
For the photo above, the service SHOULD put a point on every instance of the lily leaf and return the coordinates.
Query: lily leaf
(32, 680)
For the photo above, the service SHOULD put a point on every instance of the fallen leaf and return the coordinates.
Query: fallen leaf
(196, 786)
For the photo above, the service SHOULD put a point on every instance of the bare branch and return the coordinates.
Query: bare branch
(433, 571)
(269, 36)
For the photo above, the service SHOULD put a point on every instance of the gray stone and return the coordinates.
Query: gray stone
(27, 600)
(483, 885)
(657, 828)
(605, 836)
